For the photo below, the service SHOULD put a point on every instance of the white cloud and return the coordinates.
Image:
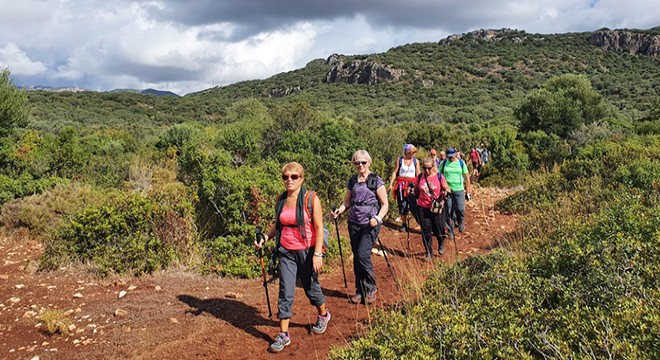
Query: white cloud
(18, 62)
(192, 45)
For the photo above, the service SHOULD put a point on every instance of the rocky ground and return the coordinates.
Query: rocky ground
(182, 315)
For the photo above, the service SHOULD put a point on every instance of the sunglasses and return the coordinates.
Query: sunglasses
(360, 163)
(428, 168)
(293, 177)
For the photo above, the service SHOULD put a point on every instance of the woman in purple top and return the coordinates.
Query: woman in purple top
(366, 196)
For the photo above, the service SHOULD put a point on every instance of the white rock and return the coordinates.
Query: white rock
(36, 357)
(14, 300)
(4, 277)
(29, 314)
(122, 294)
(132, 287)
(157, 288)
(76, 342)
(174, 321)
(233, 295)
(120, 313)
(72, 327)
(77, 295)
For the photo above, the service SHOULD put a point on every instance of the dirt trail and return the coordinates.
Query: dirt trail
(178, 315)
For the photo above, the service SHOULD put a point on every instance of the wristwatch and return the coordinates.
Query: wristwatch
(318, 254)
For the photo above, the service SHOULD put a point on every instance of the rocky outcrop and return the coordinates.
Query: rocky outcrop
(516, 36)
(361, 71)
(278, 93)
(626, 41)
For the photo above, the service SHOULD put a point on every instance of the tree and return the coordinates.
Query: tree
(563, 104)
(13, 105)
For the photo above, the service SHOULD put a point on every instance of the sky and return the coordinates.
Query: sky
(188, 46)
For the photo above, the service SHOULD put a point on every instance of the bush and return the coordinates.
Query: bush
(585, 285)
(131, 234)
(43, 212)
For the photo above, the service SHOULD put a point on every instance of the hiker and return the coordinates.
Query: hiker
(434, 155)
(475, 158)
(366, 197)
(405, 173)
(485, 154)
(299, 239)
(431, 186)
(443, 156)
(456, 173)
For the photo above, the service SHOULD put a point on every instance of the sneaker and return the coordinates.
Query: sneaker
(281, 341)
(321, 323)
(402, 229)
(428, 258)
(441, 250)
(371, 296)
(461, 228)
(356, 299)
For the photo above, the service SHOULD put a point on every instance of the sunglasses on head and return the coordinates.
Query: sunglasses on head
(293, 177)
(360, 163)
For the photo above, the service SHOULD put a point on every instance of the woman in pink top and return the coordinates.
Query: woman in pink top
(300, 241)
(431, 185)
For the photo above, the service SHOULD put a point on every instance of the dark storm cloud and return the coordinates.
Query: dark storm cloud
(253, 16)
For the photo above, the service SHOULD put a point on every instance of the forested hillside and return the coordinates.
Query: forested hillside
(129, 183)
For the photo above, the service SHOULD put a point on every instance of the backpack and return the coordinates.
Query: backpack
(309, 200)
(372, 180)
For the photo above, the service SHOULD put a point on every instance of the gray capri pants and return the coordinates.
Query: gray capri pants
(297, 263)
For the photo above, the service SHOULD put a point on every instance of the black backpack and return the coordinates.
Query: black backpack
(372, 181)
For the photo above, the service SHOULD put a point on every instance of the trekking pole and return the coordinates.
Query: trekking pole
(341, 256)
(411, 187)
(259, 236)
(453, 226)
(388, 263)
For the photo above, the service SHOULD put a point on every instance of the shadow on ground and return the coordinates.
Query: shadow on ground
(238, 314)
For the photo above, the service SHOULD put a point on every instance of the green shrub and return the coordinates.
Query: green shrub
(584, 286)
(131, 234)
(40, 213)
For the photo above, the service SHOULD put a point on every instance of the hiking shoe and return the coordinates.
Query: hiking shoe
(371, 296)
(281, 341)
(402, 229)
(356, 299)
(428, 258)
(441, 250)
(321, 323)
(461, 228)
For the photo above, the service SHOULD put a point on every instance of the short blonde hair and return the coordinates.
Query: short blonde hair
(362, 153)
(294, 166)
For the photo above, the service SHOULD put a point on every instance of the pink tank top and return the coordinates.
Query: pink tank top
(290, 238)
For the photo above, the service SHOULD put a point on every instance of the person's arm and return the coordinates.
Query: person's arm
(317, 261)
(417, 168)
(467, 181)
(445, 184)
(393, 177)
(381, 194)
(344, 206)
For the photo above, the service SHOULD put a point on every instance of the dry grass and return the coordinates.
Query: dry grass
(56, 322)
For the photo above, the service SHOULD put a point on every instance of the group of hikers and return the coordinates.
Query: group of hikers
(434, 195)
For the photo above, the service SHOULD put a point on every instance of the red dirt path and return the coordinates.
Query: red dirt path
(179, 315)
